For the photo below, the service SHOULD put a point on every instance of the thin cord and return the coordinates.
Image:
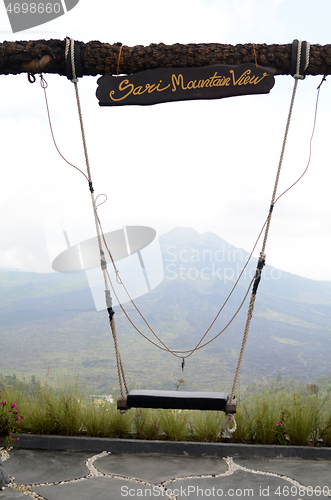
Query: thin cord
(310, 144)
(255, 55)
(119, 280)
(199, 345)
(166, 348)
(118, 60)
(44, 86)
(104, 201)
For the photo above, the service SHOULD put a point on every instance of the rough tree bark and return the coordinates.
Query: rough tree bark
(102, 58)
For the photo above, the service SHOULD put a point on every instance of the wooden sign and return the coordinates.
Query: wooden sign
(182, 84)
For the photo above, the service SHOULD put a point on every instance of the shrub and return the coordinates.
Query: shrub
(10, 423)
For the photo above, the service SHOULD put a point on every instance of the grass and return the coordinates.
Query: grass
(273, 414)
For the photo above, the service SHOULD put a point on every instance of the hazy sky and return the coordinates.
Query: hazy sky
(209, 165)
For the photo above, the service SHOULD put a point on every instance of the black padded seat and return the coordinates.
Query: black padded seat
(177, 400)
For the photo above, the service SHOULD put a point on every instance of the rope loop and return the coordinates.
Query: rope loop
(118, 278)
(73, 63)
(299, 59)
(43, 82)
(31, 77)
(231, 421)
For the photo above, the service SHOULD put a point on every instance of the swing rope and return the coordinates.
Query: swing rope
(261, 262)
(298, 73)
(70, 47)
(177, 353)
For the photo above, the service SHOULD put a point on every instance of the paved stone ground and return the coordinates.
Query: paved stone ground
(83, 475)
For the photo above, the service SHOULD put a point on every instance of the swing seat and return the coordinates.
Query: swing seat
(178, 400)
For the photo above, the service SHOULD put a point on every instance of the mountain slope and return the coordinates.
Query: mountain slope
(49, 324)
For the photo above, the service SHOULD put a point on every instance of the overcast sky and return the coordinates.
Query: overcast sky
(209, 165)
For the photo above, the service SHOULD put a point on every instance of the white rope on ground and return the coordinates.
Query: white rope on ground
(70, 45)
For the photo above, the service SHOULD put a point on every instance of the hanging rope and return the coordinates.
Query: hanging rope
(199, 345)
(72, 75)
(261, 261)
(108, 299)
(163, 346)
(301, 65)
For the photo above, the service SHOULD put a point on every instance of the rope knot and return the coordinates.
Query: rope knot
(43, 82)
(73, 63)
(299, 59)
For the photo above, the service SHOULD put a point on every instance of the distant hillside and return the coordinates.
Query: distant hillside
(49, 324)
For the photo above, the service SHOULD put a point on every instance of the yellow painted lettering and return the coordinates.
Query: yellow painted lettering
(240, 79)
(138, 90)
(177, 81)
(125, 84)
(164, 88)
(150, 88)
(258, 81)
(222, 81)
(191, 84)
(214, 80)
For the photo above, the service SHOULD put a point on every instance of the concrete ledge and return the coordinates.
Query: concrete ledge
(123, 446)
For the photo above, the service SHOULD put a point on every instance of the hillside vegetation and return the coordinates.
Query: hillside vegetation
(49, 325)
(277, 413)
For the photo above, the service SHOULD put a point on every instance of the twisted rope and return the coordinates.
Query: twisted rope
(70, 45)
(262, 253)
(120, 370)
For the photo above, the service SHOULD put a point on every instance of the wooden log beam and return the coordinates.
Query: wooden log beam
(102, 58)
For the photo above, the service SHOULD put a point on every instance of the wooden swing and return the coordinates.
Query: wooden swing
(178, 400)
(186, 400)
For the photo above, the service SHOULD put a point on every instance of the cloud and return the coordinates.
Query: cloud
(205, 164)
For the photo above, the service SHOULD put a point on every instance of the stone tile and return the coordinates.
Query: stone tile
(158, 468)
(307, 472)
(100, 488)
(10, 494)
(140, 476)
(40, 466)
(240, 484)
